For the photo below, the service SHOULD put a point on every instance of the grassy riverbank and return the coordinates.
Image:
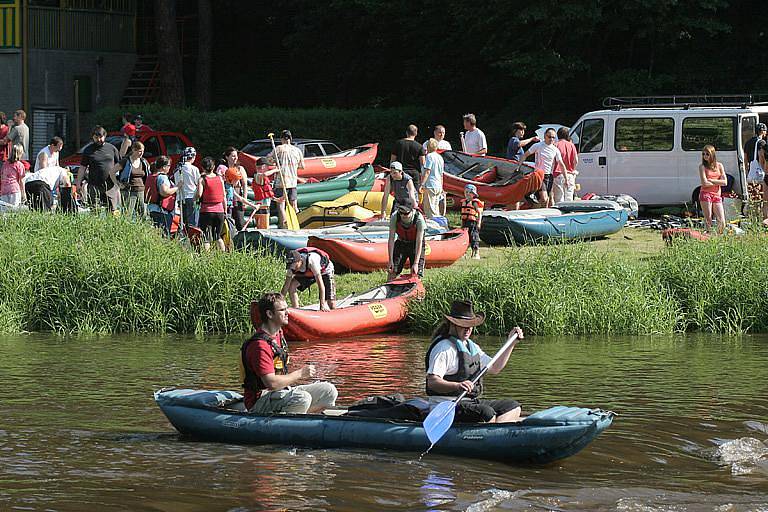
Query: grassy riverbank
(90, 274)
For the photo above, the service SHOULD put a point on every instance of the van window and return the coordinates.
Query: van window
(700, 131)
(590, 136)
(644, 134)
(748, 127)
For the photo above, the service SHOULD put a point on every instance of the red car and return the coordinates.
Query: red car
(171, 144)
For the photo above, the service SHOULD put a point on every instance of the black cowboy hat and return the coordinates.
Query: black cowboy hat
(463, 315)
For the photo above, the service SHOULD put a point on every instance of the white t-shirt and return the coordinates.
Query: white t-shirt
(474, 140)
(290, 159)
(53, 160)
(50, 175)
(546, 155)
(444, 358)
(441, 144)
(436, 165)
(186, 178)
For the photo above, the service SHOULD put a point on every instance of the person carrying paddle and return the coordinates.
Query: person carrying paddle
(289, 160)
(453, 360)
(269, 387)
(409, 225)
(306, 266)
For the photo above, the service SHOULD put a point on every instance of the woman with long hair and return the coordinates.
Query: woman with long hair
(210, 191)
(712, 176)
(12, 193)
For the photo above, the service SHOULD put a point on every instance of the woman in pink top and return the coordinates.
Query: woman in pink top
(12, 192)
(565, 179)
(712, 177)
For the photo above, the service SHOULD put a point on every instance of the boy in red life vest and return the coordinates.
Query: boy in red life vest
(269, 387)
(409, 225)
(160, 195)
(306, 266)
(472, 217)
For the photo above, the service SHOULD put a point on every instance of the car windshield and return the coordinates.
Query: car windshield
(258, 148)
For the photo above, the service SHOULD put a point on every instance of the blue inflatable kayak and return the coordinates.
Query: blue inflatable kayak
(572, 221)
(542, 437)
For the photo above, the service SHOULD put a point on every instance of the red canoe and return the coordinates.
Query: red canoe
(361, 255)
(499, 182)
(378, 310)
(322, 167)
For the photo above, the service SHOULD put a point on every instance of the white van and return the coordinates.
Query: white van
(650, 148)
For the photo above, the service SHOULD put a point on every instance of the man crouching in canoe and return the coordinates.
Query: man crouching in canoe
(453, 360)
(306, 266)
(269, 388)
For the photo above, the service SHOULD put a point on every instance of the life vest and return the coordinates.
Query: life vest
(213, 190)
(324, 261)
(470, 365)
(167, 203)
(470, 209)
(281, 359)
(407, 233)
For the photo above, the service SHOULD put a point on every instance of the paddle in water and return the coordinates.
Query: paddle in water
(440, 419)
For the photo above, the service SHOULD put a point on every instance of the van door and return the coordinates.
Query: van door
(643, 160)
(746, 130)
(589, 137)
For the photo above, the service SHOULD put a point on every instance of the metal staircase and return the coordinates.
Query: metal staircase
(143, 85)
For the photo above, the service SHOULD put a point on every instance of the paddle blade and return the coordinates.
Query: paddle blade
(292, 221)
(439, 420)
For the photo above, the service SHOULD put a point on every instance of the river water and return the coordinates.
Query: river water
(79, 430)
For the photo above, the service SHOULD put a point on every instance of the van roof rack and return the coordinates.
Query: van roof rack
(686, 101)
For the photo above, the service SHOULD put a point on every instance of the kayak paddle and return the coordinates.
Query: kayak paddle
(291, 221)
(440, 419)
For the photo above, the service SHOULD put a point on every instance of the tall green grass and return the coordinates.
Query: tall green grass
(564, 289)
(90, 274)
(720, 285)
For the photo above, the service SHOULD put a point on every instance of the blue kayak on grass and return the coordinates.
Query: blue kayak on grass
(571, 221)
(542, 437)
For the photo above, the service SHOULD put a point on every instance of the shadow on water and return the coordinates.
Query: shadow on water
(80, 429)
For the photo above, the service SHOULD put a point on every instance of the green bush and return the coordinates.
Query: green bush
(89, 274)
(565, 289)
(212, 131)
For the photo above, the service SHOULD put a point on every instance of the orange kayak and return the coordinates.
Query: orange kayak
(371, 255)
(322, 167)
(378, 310)
(499, 182)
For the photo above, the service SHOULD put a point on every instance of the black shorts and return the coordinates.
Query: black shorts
(330, 285)
(473, 232)
(292, 193)
(473, 410)
(547, 183)
(211, 224)
(406, 251)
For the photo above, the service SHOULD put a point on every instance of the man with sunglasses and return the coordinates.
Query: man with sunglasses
(269, 386)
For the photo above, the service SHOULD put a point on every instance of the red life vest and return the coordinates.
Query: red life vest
(167, 203)
(213, 191)
(324, 261)
(470, 210)
(252, 383)
(407, 233)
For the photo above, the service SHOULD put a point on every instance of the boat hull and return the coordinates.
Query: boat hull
(372, 255)
(462, 169)
(530, 228)
(543, 437)
(325, 166)
(359, 317)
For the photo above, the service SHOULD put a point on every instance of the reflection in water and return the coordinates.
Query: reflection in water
(80, 431)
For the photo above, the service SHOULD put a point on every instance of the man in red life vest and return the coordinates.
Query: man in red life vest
(307, 266)
(409, 226)
(269, 386)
